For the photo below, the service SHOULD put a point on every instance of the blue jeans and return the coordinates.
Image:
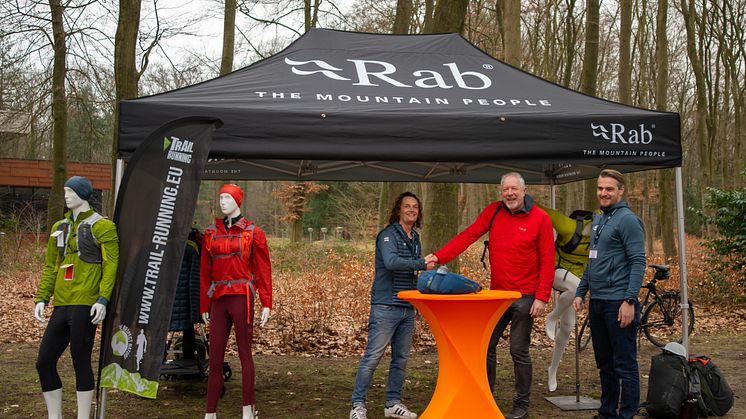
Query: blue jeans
(615, 350)
(519, 317)
(386, 324)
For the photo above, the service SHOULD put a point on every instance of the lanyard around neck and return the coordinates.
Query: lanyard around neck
(601, 228)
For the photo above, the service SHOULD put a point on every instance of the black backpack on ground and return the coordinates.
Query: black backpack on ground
(715, 395)
(668, 385)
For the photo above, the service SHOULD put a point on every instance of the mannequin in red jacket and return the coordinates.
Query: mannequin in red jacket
(235, 269)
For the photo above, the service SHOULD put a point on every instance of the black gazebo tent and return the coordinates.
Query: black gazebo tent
(352, 106)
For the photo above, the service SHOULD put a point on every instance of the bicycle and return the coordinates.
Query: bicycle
(661, 317)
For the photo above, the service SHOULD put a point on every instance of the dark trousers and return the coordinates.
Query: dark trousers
(227, 311)
(615, 349)
(519, 317)
(69, 325)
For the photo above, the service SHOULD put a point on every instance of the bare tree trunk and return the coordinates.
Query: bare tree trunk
(689, 12)
(403, 16)
(665, 180)
(512, 28)
(570, 30)
(441, 199)
(229, 37)
(311, 13)
(589, 79)
(625, 64)
(126, 76)
(56, 201)
(389, 192)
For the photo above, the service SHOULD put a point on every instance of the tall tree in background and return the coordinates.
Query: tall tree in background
(126, 75)
(310, 13)
(689, 11)
(665, 180)
(293, 196)
(440, 200)
(229, 37)
(589, 78)
(56, 201)
(403, 17)
(511, 21)
(390, 190)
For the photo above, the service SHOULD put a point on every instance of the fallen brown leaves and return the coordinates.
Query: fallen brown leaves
(322, 298)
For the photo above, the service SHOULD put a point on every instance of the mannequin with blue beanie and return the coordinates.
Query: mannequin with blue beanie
(79, 272)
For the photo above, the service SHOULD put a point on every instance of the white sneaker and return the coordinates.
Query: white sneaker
(399, 411)
(358, 413)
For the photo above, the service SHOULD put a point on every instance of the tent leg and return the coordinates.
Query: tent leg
(118, 175)
(682, 260)
(552, 195)
(101, 407)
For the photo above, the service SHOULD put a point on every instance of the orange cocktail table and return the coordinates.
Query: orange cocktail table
(462, 325)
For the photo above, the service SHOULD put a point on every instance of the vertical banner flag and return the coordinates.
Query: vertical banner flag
(154, 211)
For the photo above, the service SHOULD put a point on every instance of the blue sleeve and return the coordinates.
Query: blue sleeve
(391, 259)
(583, 285)
(632, 234)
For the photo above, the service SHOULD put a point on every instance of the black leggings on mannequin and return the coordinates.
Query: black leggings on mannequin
(67, 322)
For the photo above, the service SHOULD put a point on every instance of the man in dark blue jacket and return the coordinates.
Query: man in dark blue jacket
(391, 319)
(616, 265)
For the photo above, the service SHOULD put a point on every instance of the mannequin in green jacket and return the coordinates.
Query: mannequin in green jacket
(79, 272)
(569, 268)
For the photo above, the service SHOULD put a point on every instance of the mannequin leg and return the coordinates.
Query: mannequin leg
(84, 404)
(244, 329)
(565, 319)
(220, 327)
(53, 399)
(248, 412)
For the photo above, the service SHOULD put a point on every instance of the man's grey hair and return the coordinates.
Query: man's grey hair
(515, 175)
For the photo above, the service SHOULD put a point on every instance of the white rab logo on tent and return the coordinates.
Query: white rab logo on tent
(368, 70)
(617, 133)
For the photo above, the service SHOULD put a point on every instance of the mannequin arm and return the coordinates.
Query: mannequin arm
(39, 311)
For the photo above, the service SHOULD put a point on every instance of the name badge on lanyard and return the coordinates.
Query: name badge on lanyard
(593, 254)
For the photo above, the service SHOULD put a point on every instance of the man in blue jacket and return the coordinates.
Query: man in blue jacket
(616, 265)
(391, 319)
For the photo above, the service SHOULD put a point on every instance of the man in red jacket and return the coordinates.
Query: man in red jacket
(521, 245)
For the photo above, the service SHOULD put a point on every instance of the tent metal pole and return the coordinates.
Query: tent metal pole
(552, 195)
(118, 175)
(684, 304)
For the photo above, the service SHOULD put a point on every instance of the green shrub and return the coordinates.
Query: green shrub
(727, 257)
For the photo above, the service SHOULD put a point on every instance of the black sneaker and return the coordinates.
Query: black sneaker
(517, 412)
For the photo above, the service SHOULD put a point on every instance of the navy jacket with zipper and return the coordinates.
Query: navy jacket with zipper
(397, 259)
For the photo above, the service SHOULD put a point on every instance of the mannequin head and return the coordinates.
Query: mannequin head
(77, 192)
(231, 197)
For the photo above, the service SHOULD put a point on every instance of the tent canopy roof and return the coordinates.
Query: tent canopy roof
(353, 106)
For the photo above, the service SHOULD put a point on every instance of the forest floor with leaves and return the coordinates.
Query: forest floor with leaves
(307, 354)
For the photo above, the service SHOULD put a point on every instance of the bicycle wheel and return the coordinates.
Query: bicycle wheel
(661, 321)
(584, 335)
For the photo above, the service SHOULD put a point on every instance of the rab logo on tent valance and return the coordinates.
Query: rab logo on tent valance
(372, 73)
(178, 149)
(617, 133)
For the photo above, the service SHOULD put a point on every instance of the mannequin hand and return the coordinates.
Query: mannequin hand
(98, 312)
(39, 311)
(206, 318)
(265, 316)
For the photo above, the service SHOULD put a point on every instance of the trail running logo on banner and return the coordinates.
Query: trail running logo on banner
(178, 149)
(618, 133)
(121, 342)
